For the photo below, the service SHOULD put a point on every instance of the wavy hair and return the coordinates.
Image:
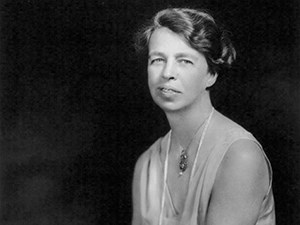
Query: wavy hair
(200, 31)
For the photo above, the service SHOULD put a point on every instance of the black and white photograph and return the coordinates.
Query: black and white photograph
(127, 112)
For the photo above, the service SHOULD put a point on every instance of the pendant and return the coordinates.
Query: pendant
(183, 162)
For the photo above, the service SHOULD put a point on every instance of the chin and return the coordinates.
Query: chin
(168, 106)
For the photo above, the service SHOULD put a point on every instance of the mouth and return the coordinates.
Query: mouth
(168, 90)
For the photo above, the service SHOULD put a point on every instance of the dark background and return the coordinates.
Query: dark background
(76, 113)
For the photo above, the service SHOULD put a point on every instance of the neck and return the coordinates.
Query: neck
(185, 123)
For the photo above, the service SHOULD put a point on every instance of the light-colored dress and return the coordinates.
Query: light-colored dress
(215, 146)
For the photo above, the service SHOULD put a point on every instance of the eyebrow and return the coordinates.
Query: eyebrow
(184, 55)
(156, 53)
(178, 55)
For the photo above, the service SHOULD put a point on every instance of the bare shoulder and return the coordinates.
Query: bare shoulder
(240, 186)
(245, 156)
(245, 164)
(245, 153)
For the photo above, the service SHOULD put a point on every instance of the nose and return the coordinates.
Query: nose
(169, 71)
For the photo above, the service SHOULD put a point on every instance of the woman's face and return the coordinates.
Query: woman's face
(177, 74)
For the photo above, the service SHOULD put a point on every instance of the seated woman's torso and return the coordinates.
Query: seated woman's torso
(187, 196)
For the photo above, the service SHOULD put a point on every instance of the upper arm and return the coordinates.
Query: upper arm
(136, 192)
(241, 184)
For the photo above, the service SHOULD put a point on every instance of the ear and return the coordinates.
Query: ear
(211, 80)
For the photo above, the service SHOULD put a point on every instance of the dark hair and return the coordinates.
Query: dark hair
(200, 31)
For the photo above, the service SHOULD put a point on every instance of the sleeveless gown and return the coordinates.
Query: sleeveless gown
(196, 205)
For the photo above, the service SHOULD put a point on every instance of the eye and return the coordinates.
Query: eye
(156, 60)
(186, 61)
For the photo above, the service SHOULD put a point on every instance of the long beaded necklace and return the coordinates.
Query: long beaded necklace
(193, 168)
(183, 159)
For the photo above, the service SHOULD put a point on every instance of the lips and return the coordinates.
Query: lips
(166, 89)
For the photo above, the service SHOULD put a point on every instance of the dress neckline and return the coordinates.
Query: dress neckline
(166, 167)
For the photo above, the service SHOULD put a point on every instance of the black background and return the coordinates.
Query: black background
(76, 112)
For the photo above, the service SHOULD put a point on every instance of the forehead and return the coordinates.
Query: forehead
(165, 40)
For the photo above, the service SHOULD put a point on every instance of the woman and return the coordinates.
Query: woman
(207, 170)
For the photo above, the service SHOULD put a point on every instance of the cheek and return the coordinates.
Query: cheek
(194, 81)
(151, 77)
(150, 82)
(195, 85)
